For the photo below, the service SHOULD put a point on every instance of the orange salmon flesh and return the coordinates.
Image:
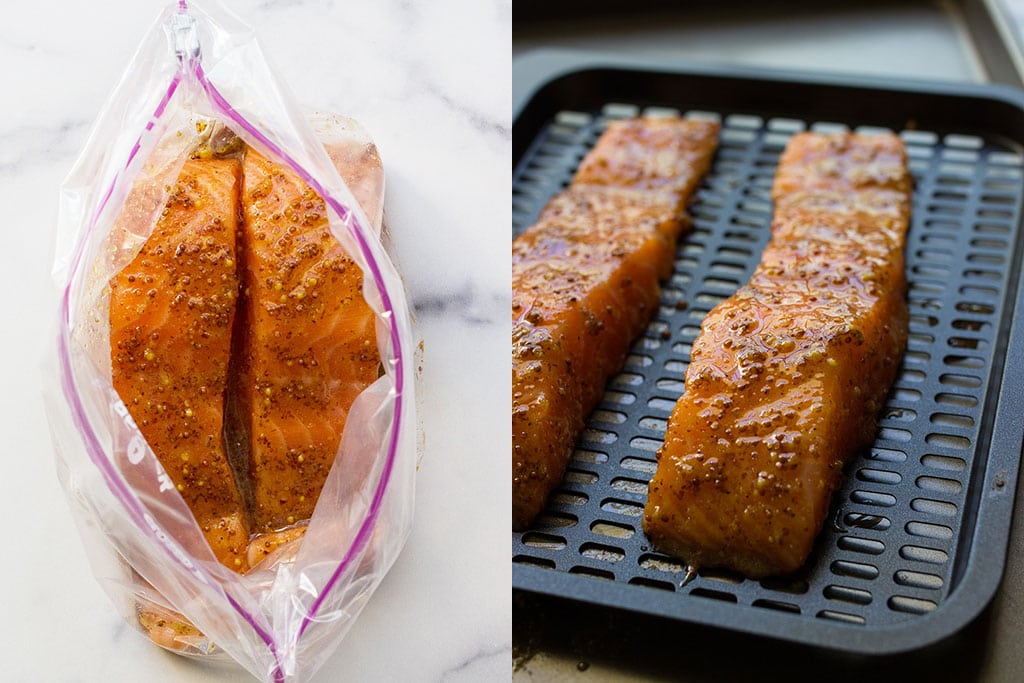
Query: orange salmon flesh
(585, 282)
(787, 376)
(239, 340)
(308, 346)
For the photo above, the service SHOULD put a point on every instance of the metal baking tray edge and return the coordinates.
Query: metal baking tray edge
(533, 77)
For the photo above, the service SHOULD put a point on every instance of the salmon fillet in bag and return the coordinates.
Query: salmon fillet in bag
(233, 414)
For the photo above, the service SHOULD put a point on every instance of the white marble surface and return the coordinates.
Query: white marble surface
(431, 82)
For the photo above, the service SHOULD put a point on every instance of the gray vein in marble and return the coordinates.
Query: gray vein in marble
(27, 146)
(120, 629)
(408, 6)
(26, 46)
(477, 119)
(462, 671)
(463, 303)
(430, 85)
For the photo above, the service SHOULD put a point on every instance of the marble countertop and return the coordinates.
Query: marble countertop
(431, 83)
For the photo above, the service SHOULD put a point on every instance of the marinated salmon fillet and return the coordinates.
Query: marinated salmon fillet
(171, 319)
(787, 376)
(238, 347)
(306, 347)
(585, 282)
(351, 150)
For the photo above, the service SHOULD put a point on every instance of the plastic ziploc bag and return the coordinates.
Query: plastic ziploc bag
(233, 348)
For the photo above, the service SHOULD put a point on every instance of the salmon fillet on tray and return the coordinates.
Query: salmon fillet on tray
(787, 376)
(585, 283)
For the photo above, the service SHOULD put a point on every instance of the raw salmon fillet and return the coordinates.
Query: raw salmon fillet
(351, 150)
(585, 282)
(184, 363)
(171, 319)
(307, 345)
(787, 376)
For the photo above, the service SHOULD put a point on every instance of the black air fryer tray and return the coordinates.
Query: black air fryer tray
(917, 538)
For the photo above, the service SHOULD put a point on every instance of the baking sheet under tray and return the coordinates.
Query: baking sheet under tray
(916, 541)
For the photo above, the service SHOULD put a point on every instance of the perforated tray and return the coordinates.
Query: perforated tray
(917, 538)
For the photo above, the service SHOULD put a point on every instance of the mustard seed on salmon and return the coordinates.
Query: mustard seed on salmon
(585, 283)
(787, 376)
(172, 313)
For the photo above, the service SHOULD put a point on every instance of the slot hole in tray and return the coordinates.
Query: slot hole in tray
(901, 603)
(622, 507)
(949, 487)
(948, 441)
(946, 463)
(916, 553)
(855, 596)
(653, 583)
(971, 325)
(595, 573)
(873, 498)
(554, 520)
(907, 395)
(914, 579)
(579, 477)
(858, 544)
(938, 508)
(543, 541)
(792, 585)
(639, 465)
(624, 379)
(612, 530)
(927, 530)
(843, 617)
(952, 420)
(602, 553)
(777, 605)
(861, 520)
(591, 457)
(978, 291)
(876, 476)
(714, 595)
(854, 570)
(631, 486)
(569, 498)
(661, 563)
(541, 562)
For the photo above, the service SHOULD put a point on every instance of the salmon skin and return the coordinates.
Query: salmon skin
(585, 282)
(787, 376)
(171, 318)
(306, 345)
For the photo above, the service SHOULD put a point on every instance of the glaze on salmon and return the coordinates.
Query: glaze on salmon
(307, 345)
(238, 346)
(788, 375)
(171, 318)
(585, 282)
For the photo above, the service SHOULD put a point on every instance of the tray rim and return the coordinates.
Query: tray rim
(534, 71)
